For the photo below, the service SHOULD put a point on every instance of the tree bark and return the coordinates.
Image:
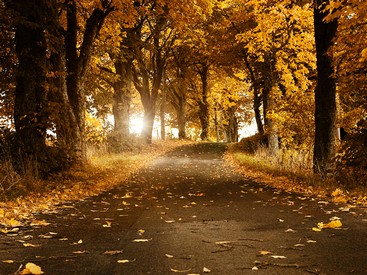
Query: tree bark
(163, 113)
(122, 99)
(203, 102)
(257, 97)
(325, 91)
(30, 106)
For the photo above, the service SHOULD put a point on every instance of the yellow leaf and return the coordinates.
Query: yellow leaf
(113, 252)
(31, 268)
(125, 261)
(128, 195)
(39, 223)
(180, 271)
(141, 240)
(108, 224)
(264, 252)
(80, 252)
(316, 229)
(30, 245)
(333, 224)
(14, 223)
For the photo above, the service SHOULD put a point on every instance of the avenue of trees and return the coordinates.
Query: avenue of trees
(205, 67)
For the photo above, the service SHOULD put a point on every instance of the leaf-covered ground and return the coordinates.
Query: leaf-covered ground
(103, 173)
(189, 213)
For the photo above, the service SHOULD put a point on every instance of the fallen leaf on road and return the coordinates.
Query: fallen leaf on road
(206, 270)
(80, 252)
(255, 268)
(8, 261)
(125, 261)
(169, 221)
(79, 242)
(39, 223)
(125, 203)
(311, 241)
(333, 224)
(289, 230)
(113, 252)
(336, 223)
(278, 257)
(180, 271)
(31, 268)
(127, 196)
(264, 252)
(108, 224)
(299, 245)
(30, 245)
(169, 256)
(141, 240)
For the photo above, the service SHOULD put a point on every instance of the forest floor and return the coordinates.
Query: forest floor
(189, 212)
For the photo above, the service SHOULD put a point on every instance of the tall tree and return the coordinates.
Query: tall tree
(78, 55)
(30, 114)
(325, 92)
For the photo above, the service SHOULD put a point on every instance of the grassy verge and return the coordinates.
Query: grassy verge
(102, 173)
(291, 172)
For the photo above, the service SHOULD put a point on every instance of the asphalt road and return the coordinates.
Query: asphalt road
(188, 213)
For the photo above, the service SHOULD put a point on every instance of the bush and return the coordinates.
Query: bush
(252, 144)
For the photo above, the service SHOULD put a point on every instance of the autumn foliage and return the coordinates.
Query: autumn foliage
(205, 68)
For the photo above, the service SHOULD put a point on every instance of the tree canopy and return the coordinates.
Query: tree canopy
(204, 67)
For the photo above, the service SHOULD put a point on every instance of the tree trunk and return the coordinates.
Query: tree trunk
(148, 121)
(257, 104)
(77, 65)
(270, 128)
(30, 117)
(122, 99)
(203, 103)
(325, 91)
(163, 114)
(257, 97)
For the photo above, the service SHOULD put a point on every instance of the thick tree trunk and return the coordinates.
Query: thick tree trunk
(122, 99)
(148, 121)
(30, 103)
(325, 92)
(270, 128)
(30, 100)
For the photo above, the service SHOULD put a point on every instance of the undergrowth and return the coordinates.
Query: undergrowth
(103, 172)
(290, 170)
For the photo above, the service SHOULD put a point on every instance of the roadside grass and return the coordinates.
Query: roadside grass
(292, 171)
(103, 172)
